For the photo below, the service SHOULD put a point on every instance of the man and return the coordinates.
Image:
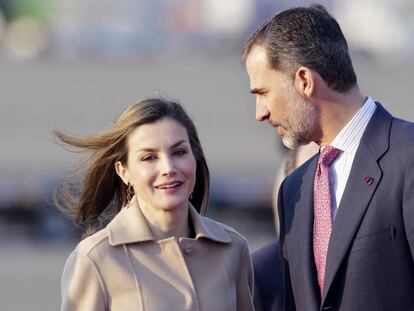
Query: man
(347, 214)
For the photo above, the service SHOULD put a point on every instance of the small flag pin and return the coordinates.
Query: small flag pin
(368, 180)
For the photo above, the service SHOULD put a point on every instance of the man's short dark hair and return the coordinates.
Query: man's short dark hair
(308, 37)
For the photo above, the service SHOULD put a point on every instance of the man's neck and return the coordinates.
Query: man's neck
(336, 110)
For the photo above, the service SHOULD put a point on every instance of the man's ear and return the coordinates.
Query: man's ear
(122, 172)
(305, 80)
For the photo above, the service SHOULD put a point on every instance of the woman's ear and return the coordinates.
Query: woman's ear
(305, 81)
(122, 172)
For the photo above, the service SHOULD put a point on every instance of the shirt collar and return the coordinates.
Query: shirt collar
(130, 226)
(349, 137)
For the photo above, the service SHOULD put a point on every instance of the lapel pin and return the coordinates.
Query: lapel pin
(368, 180)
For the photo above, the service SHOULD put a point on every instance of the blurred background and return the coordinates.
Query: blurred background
(74, 65)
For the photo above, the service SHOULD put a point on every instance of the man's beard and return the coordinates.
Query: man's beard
(301, 122)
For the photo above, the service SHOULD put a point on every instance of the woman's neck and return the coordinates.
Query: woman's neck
(167, 223)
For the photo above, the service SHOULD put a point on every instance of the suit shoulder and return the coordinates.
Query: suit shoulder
(403, 132)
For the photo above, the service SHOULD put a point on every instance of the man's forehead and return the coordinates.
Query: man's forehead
(258, 70)
(257, 56)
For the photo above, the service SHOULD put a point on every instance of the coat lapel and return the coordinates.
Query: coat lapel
(301, 258)
(358, 192)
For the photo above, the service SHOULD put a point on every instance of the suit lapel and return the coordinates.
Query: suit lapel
(358, 192)
(301, 249)
(354, 203)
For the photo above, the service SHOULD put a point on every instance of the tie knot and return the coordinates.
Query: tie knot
(328, 155)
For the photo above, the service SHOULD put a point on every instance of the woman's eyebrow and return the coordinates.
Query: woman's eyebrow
(149, 149)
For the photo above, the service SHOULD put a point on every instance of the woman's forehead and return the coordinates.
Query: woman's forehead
(162, 133)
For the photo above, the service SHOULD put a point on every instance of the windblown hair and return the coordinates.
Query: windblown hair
(306, 37)
(101, 193)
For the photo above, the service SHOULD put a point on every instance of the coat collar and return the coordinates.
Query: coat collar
(130, 226)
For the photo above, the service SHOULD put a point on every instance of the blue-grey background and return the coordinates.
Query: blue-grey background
(74, 65)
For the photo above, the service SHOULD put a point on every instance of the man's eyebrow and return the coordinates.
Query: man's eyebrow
(257, 91)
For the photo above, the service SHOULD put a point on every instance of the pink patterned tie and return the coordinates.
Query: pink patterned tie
(322, 205)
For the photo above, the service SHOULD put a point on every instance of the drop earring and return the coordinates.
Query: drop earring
(129, 193)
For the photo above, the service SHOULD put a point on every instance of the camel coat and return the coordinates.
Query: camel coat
(122, 267)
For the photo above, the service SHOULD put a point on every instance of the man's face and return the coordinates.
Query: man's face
(278, 102)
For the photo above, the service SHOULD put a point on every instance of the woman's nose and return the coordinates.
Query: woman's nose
(168, 167)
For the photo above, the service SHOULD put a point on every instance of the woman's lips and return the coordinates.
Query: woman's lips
(169, 187)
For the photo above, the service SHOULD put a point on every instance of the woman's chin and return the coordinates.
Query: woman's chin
(174, 205)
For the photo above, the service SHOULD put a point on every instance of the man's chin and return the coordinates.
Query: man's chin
(289, 142)
(293, 141)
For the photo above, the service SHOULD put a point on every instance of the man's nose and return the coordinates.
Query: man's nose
(262, 113)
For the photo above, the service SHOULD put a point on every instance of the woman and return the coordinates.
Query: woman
(149, 175)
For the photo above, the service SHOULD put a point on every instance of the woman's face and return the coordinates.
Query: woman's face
(161, 166)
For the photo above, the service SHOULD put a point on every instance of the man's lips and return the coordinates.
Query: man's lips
(273, 123)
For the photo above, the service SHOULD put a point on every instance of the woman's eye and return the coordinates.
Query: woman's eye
(179, 152)
(148, 158)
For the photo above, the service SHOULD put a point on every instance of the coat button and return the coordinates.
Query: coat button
(327, 308)
(188, 250)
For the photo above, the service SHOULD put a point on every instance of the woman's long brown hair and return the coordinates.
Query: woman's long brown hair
(100, 193)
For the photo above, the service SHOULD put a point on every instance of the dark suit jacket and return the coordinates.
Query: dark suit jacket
(370, 256)
(268, 283)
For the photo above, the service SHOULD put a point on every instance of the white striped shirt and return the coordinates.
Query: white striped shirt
(347, 141)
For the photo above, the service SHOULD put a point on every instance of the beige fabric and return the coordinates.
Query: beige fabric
(122, 267)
